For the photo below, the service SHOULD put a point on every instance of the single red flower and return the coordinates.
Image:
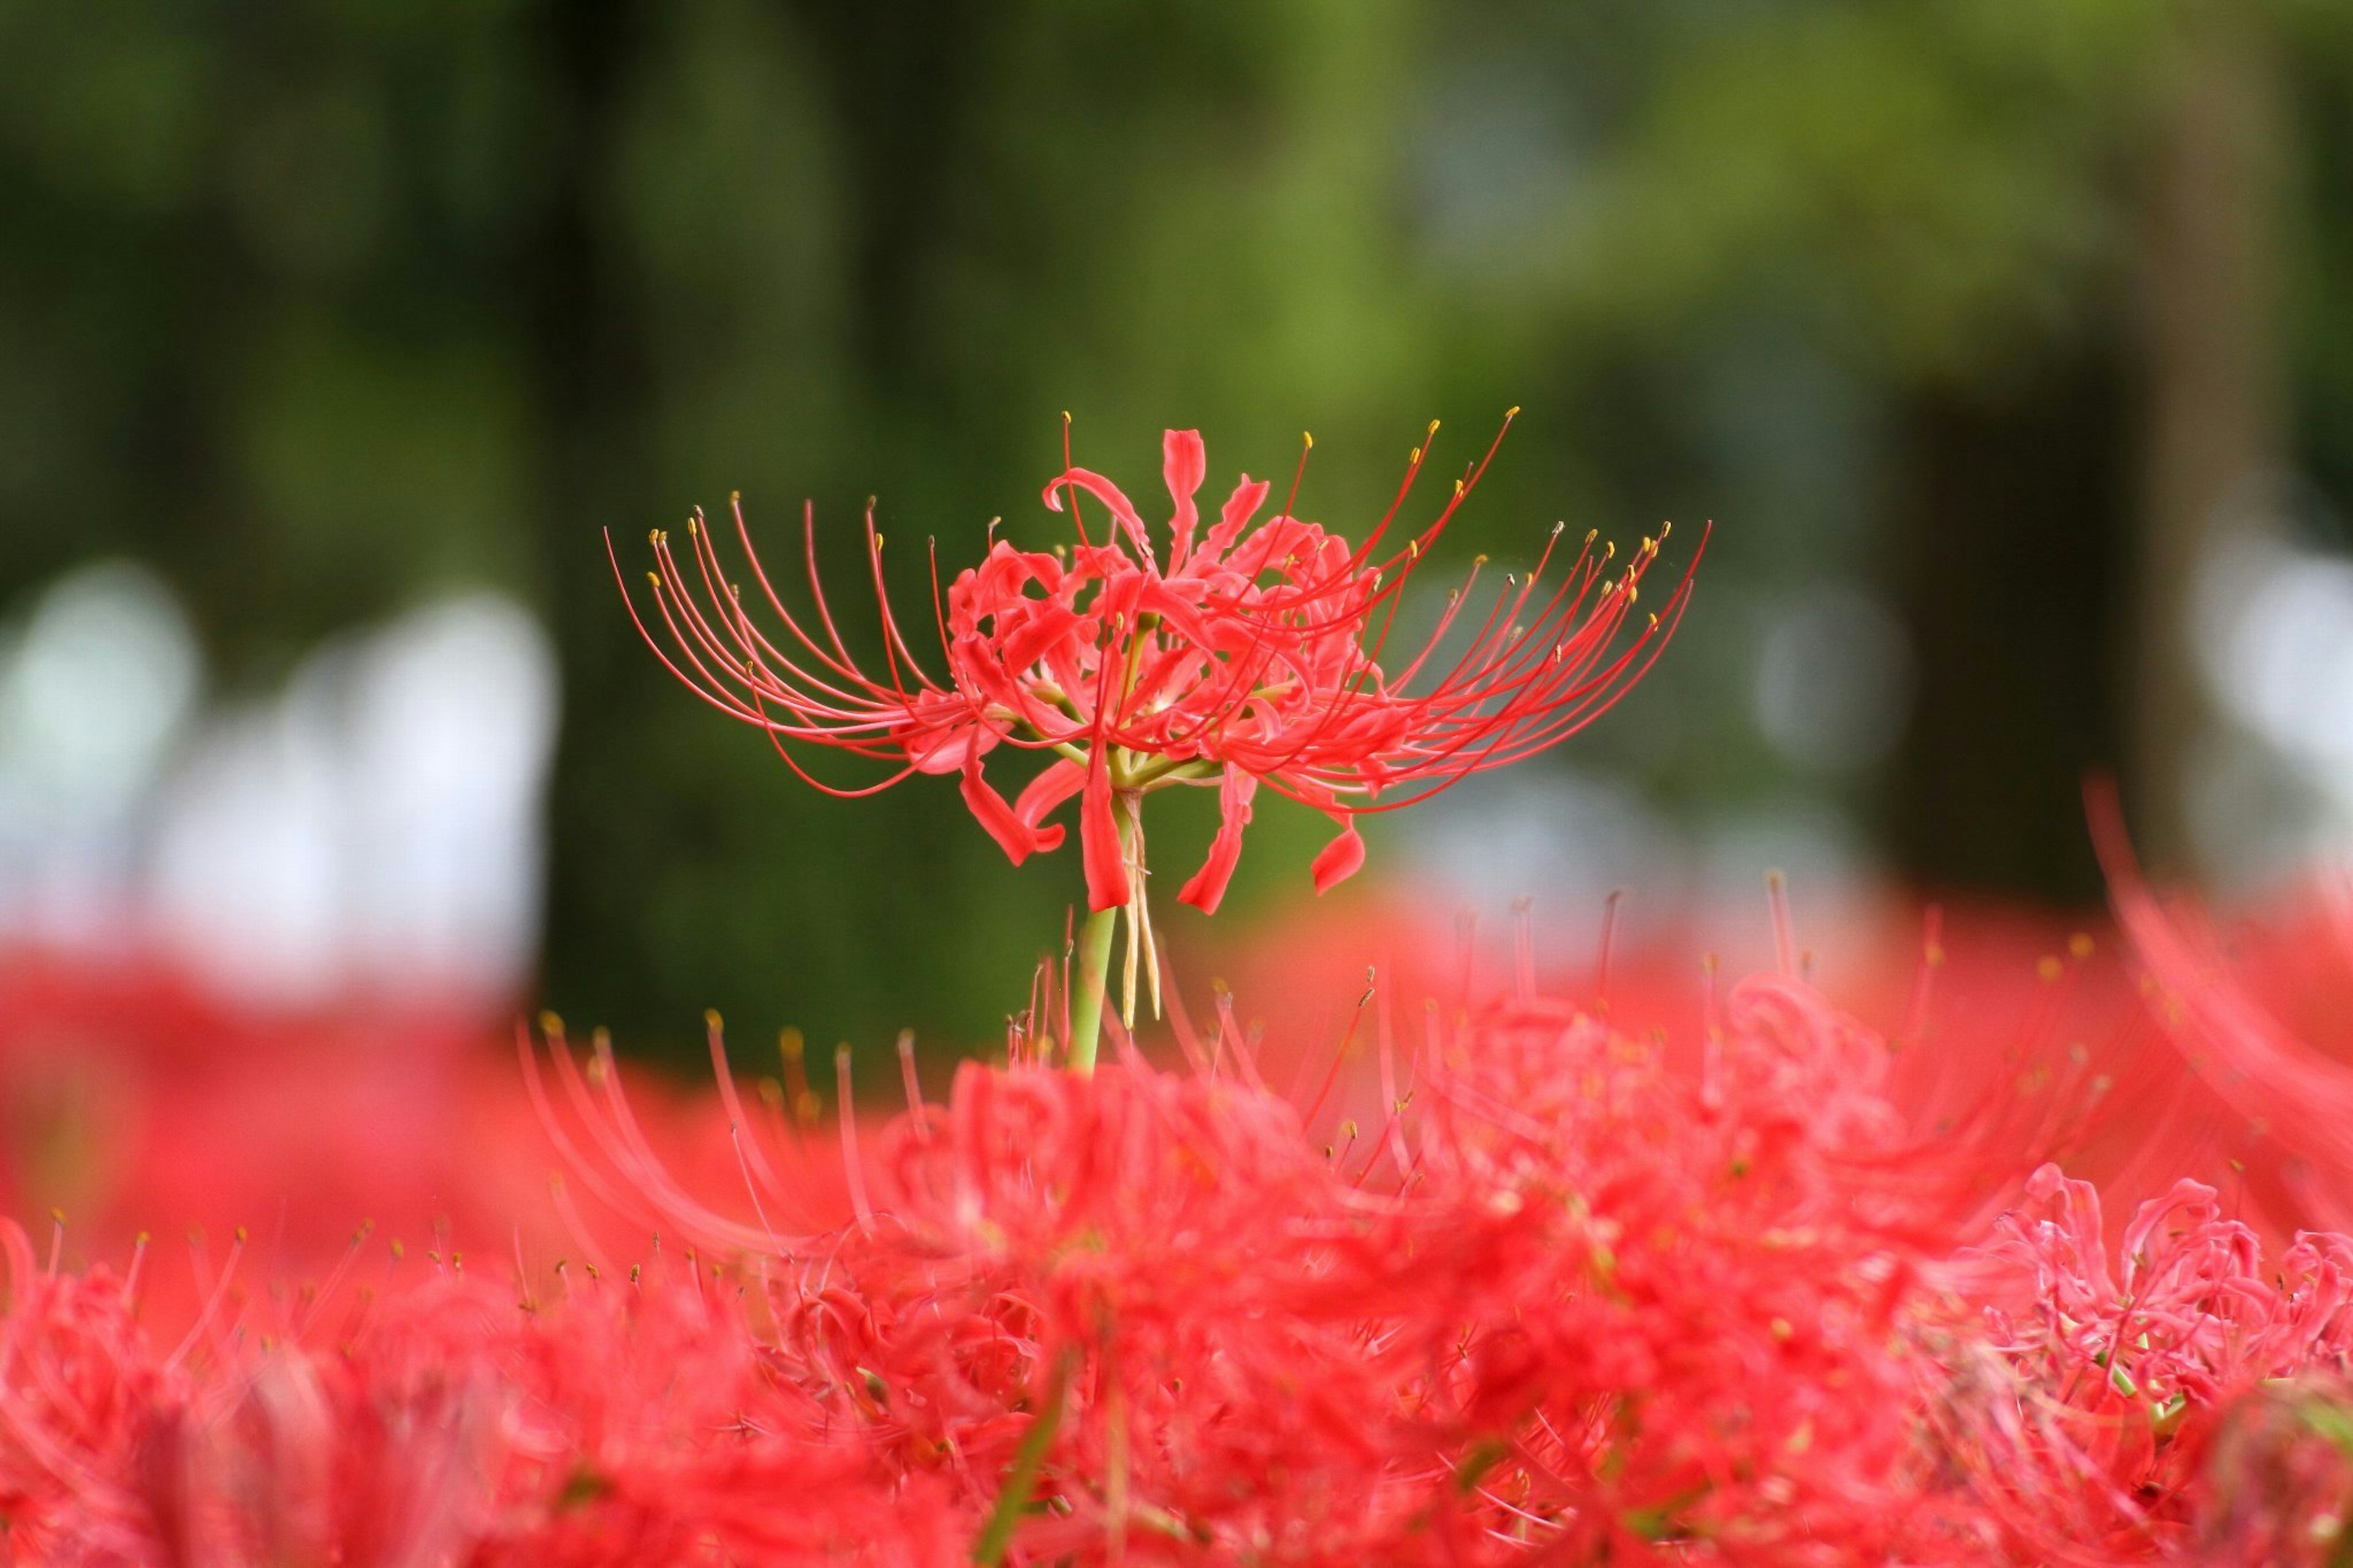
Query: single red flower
(1250, 653)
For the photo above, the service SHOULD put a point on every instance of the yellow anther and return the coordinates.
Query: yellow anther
(1513, 412)
(654, 578)
(653, 536)
(1433, 427)
(1665, 529)
(734, 498)
(1413, 457)
(1308, 437)
(710, 1018)
(1590, 535)
(690, 525)
(1458, 489)
(1478, 561)
(1654, 622)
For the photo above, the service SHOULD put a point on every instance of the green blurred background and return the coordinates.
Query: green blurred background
(1990, 326)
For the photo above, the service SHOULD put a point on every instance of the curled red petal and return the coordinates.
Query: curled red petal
(1183, 464)
(1106, 857)
(943, 739)
(1123, 510)
(1018, 840)
(1341, 858)
(1208, 886)
(1235, 515)
(1049, 789)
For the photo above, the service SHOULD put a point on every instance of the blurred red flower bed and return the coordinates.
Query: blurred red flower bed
(1994, 1257)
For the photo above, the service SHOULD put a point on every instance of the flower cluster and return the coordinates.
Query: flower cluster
(1574, 1291)
(2128, 1375)
(614, 1420)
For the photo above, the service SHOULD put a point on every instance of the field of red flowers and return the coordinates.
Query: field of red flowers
(2026, 1257)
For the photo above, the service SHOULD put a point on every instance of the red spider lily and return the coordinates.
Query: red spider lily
(1253, 654)
(2124, 1397)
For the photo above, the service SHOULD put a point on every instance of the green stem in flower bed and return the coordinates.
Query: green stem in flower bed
(1093, 986)
(1021, 1477)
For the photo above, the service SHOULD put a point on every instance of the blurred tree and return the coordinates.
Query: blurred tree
(249, 298)
(2047, 242)
(2216, 438)
(321, 306)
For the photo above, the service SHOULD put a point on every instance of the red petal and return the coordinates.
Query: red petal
(1122, 509)
(1106, 857)
(1017, 839)
(1208, 887)
(1239, 508)
(1043, 628)
(942, 746)
(1049, 789)
(1341, 858)
(1183, 464)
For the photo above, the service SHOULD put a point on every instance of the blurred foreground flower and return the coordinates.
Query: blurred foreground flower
(1252, 655)
(1524, 1282)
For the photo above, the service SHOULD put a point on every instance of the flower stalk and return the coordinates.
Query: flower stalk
(1094, 982)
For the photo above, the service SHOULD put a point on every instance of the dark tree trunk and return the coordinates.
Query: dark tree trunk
(2015, 512)
(2214, 373)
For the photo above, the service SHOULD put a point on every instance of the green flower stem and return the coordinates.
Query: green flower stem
(1021, 1477)
(1094, 969)
(1093, 986)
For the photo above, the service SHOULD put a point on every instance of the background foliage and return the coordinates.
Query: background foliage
(324, 305)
